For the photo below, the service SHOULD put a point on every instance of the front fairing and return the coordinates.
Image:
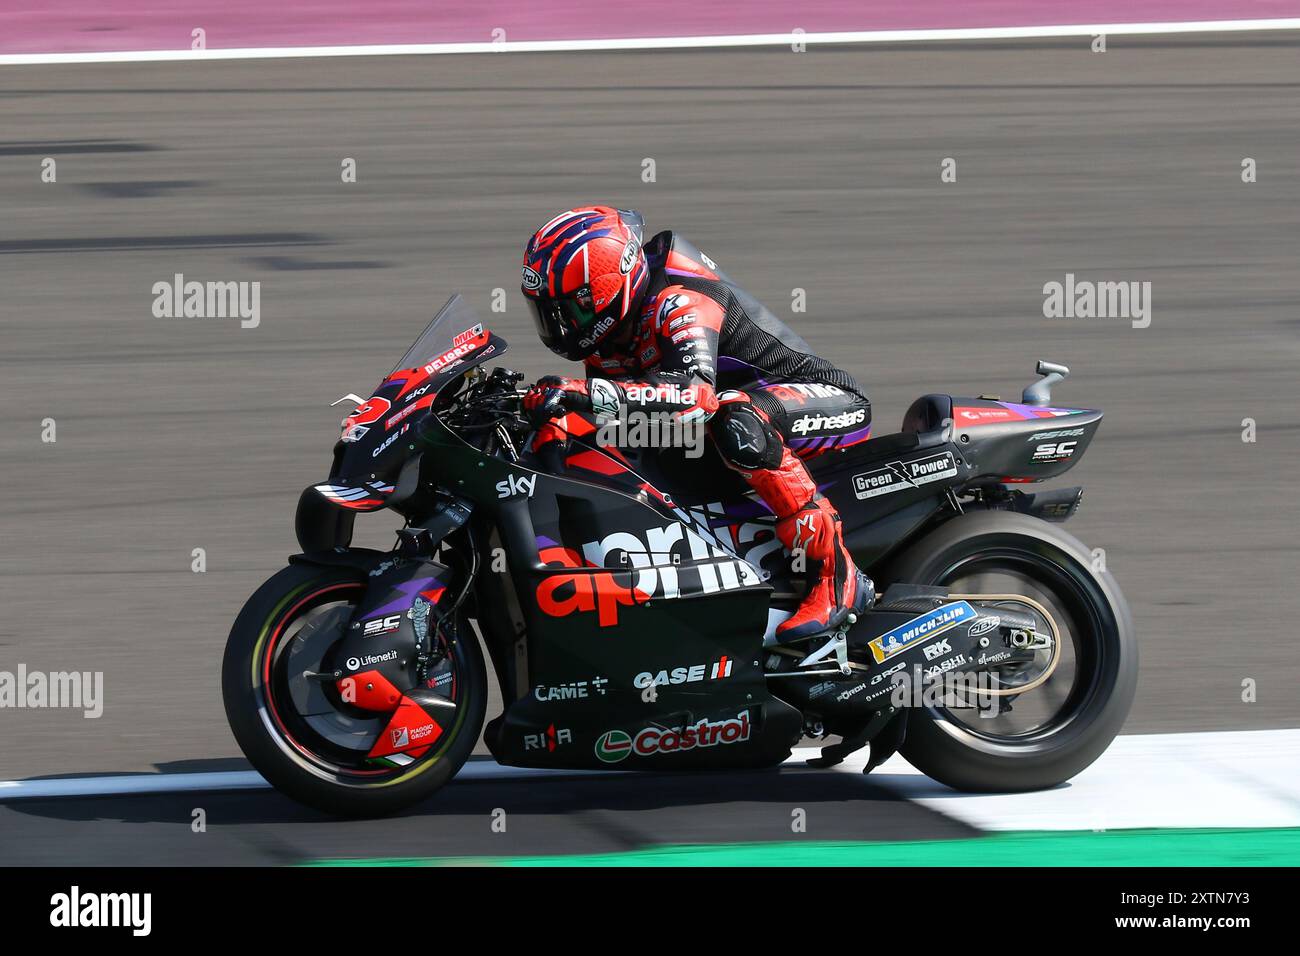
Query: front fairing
(379, 436)
(372, 443)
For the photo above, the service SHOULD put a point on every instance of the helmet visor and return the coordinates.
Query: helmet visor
(563, 320)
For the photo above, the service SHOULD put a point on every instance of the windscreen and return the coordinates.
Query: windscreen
(453, 319)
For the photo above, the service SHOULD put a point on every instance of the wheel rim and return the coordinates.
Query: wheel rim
(1087, 634)
(300, 736)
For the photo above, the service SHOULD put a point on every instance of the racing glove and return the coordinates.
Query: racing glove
(553, 395)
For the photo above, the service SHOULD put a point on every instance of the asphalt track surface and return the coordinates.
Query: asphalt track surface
(608, 814)
(817, 170)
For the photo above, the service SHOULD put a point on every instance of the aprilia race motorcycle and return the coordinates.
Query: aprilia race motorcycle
(628, 600)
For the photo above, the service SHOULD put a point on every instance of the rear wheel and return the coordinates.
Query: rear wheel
(299, 734)
(1052, 732)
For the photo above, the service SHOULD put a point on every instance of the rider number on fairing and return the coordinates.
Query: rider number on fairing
(898, 475)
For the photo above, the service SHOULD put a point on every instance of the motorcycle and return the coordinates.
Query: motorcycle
(628, 598)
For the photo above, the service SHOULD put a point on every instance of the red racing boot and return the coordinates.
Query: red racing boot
(808, 525)
(836, 587)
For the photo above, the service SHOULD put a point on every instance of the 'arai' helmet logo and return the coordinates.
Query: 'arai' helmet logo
(629, 257)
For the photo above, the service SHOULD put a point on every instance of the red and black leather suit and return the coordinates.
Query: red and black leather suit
(701, 347)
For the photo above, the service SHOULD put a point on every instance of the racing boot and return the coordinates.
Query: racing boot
(808, 525)
(836, 587)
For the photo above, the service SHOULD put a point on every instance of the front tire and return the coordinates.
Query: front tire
(278, 742)
(1094, 706)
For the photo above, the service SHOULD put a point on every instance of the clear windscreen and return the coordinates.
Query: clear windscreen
(452, 319)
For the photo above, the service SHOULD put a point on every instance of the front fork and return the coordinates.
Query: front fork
(401, 630)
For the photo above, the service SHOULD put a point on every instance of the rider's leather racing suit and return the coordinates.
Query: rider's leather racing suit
(705, 349)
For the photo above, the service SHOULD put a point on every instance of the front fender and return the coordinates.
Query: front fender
(359, 559)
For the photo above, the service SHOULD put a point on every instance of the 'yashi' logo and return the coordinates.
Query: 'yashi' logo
(560, 595)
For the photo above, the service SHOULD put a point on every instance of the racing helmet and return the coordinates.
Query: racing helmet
(584, 274)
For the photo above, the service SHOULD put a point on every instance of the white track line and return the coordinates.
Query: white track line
(1228, 779)
(134, 784)
(130, 785)
(655, 43)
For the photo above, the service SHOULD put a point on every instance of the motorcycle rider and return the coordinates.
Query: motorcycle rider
(662, 329)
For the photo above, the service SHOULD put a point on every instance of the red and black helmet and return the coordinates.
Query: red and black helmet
(584, 273)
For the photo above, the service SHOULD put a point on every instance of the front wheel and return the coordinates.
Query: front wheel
(1049, 734)
(301, 737)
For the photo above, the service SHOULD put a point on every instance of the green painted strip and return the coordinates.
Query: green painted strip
(1227, 847)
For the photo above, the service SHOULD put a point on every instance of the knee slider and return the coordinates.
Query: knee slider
(745, 438)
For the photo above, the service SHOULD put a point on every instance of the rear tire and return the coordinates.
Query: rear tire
(304, 776)
(954, 754)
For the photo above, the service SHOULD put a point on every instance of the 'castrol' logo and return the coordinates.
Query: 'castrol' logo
(616, 745)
